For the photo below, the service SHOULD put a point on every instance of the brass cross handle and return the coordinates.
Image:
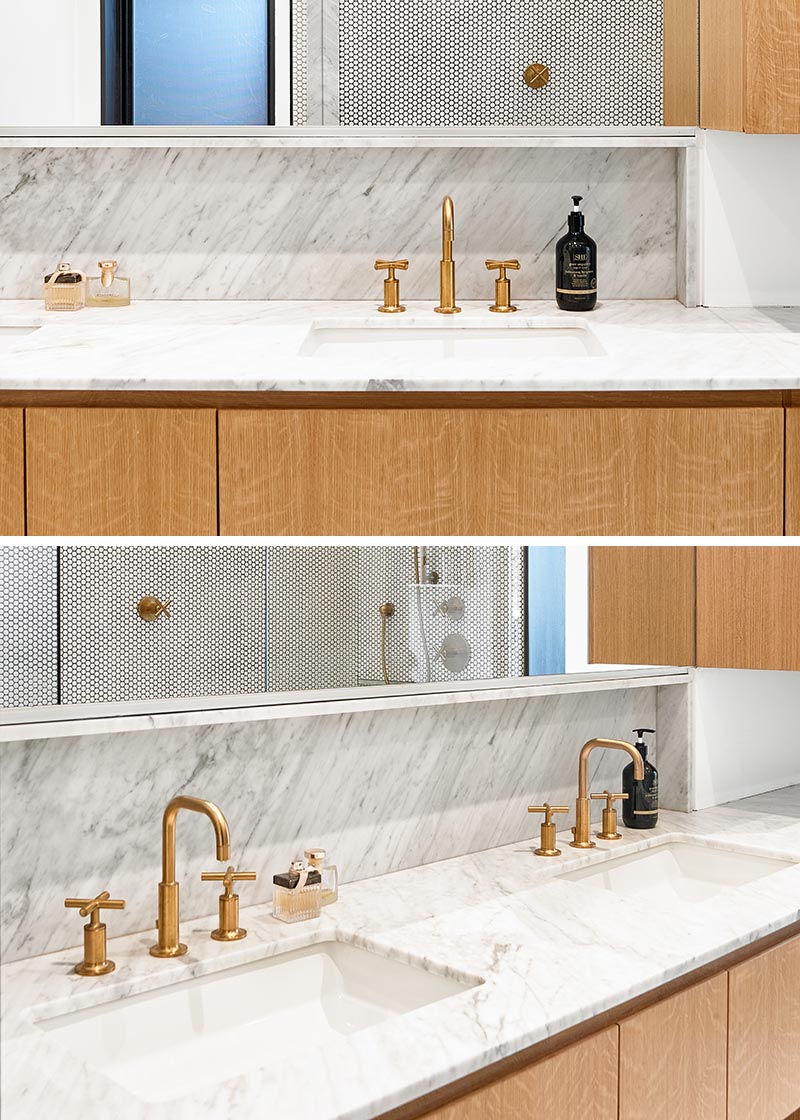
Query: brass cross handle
(547, 846)
(391, 286)
(229, 928)
(502, 285)
(609, 814)
(228, 878)
(150, 608)
(94, 961)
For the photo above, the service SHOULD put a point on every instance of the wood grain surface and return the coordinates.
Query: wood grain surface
(12, 473)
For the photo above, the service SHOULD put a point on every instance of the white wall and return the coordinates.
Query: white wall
(751, 235)
(49, 63)
(746, 733)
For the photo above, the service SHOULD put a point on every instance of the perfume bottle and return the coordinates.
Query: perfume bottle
(329, 875)
(297, 893)
(64, 289)
(108, 289)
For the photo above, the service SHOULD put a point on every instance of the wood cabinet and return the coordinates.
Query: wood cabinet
(577, 1082)
(681, 63)
(737, 607)
(12, 473)
(501, 471)
(750, 65)
(764, 1042)
(109, 471)
(673, 1056)
(792, 527)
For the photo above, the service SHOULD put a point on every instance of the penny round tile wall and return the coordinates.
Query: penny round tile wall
(28, 626)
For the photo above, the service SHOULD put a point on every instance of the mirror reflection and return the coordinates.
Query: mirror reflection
(254, 63)
(105, 625)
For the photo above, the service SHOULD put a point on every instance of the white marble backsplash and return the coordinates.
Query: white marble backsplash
(381, 790)
(192, 223)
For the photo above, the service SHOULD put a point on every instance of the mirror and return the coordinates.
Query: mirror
(81, 64)
(92, 625)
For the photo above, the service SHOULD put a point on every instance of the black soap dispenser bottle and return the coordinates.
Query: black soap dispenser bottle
(641, 808)
(576, 265)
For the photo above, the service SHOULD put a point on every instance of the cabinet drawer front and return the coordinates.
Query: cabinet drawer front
(764, 1035)
(142, 472)
(502, 471)
(12, 473)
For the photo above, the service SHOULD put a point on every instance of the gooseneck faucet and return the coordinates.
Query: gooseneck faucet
(583, 805)
(169, 920)
(447, 266)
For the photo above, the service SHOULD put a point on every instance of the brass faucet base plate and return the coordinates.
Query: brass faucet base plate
(228, 935)
(447, 310)
(502, 310)
(157, 951)
(547, 852)
(103, 969)
(391, 310)
(582, 844)
(609, 835)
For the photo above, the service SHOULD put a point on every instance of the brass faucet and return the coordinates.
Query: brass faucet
(583, 805)
(169, 921)
(447, 266)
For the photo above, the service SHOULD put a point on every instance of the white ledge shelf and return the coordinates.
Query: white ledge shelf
(318, 137)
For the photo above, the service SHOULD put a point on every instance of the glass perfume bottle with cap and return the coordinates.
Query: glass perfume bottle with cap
(297, 893)
(329, 874)
(108, 289)
(64, 289)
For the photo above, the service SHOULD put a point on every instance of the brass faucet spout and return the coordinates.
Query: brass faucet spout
(447, 267)
(448, 228)
(583, 805)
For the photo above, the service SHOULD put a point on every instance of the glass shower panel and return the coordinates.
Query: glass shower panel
(200, 63)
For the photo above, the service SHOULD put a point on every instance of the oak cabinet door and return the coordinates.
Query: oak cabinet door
(673, 1056)
(577, 1083)
(502, 471)
(748, 608)
(120, 472)
(12, 473)
(793, 472)
(764, 1035)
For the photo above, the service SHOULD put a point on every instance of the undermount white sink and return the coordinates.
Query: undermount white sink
(10, 334)
(495, 347)
(198, 1033)
(675, 870)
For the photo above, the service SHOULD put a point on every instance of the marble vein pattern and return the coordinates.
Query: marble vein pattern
(550, 954)
(268, 224)
(380, 790)
(262, 347)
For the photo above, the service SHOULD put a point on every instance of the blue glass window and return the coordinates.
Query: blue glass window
(547, 570)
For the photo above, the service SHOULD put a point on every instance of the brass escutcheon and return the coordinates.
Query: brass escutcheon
(537, 75)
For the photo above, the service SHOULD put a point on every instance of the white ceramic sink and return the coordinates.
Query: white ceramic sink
(675, 870)
(494, 347)
(164, 1044)
(10, 334)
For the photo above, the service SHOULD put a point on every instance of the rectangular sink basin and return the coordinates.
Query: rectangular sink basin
(198, 1033)
(677, 871)
(492, 346)
(11, 334)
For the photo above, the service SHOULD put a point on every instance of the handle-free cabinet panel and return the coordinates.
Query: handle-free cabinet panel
(578, 1082)
(673, 1056)
(641, 606)
(12, 473)
(764, 1035)
(792, 472)
(681, 71)
(748, 608)
(141, 472)
(502, 471)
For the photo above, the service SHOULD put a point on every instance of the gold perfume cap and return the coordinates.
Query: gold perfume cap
(315, 855)
(107, 270)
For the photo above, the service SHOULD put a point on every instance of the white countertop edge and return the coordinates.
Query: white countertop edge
(50, 723)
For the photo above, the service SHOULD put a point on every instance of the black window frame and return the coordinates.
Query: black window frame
(116, 63)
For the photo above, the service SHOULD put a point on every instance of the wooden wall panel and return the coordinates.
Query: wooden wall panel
(641, 606)
(722, 64)
(772, 66)
(580, 1081)
(764, 1035)
(681, 59)
(673, 1056)
(748, 607)
(12, 473)
(120, 472)
(793, 472)
(502, 471)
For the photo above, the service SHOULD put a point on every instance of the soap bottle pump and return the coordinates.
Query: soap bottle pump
(576, 264)
(641, 808)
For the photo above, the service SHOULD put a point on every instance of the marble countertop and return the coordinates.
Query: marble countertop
(550, 954)
(258, 347)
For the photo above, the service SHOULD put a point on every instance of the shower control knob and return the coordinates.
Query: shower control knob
(454, 653)
(452, 608)
(150, 608)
